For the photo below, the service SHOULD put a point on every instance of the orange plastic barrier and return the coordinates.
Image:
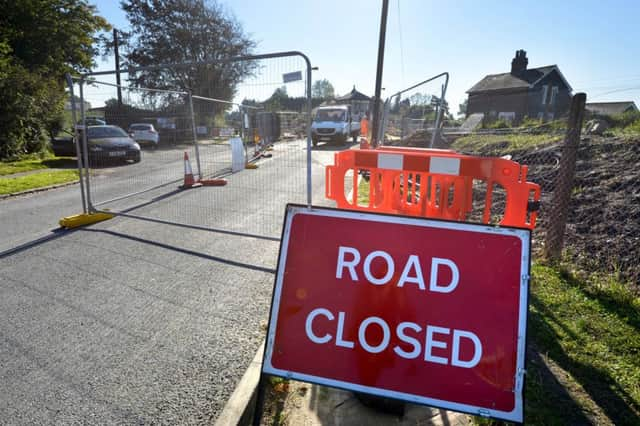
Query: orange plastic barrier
(435, 184)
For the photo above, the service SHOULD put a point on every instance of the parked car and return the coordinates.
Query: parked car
(334, 124)
(144, 133)
(63, 146)
(91, 121)
(104, 142)
(111, 142)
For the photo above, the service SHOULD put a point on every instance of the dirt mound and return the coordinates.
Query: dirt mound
(603, 225)
(603, 232)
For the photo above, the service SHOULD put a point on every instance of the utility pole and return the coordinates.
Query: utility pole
(117, 55)
(376, 105)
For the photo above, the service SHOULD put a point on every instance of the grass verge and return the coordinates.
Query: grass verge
(36, 180)
(584, 336)
(30, 164)
(503, 144)
(583, 360)
(276, 391)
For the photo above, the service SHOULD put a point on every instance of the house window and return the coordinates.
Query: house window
(545, 89)
(507, 116)
(554, 94)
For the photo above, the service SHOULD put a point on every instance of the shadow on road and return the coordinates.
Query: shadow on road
(332, 147)
(182, 250)
(55, 233)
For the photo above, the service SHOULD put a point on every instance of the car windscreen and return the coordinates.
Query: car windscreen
(140, 127)
(106, 132)
(330, 115)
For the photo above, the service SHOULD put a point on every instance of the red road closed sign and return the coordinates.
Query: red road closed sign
(425, 311)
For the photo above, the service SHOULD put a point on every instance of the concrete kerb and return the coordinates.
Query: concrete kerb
(239, 408)
(34, 190)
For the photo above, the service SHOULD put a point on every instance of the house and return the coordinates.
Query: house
(541, 93)
(611, 108)
(360, 103)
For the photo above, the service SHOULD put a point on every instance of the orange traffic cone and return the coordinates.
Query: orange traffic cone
(189, 181)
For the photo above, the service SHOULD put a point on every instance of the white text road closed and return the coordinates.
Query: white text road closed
(429, 312)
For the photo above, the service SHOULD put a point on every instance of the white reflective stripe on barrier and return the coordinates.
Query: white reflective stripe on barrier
(390, 161)
(444, 166)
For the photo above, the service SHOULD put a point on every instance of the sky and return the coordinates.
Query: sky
(594, 43)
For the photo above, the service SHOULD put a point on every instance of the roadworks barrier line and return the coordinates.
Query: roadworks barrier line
(83, 219)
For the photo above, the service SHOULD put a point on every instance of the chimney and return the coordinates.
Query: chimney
(519, 63)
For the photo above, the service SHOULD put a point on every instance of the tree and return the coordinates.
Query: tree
(419, 106)
(322, 89)
(278, 100)
(39, 42)
(175, 31)
(420, 99)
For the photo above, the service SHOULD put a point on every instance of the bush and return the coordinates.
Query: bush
(624, 120)
(619, 121)
(633, 127)
(530, 122)
(538, 126)
(30, 113)
(500, 123)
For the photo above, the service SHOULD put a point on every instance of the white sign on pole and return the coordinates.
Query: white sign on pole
(292, 76)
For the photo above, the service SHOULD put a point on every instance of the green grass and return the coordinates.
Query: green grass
(583, 357)
(590, 329)
(34, 163)
(503, 144)
(9, 185)
(363, 193)
(631, 131)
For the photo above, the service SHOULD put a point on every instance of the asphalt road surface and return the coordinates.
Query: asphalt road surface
(28, 217)
(133, 321)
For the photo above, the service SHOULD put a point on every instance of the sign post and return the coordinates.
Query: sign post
(424, 311)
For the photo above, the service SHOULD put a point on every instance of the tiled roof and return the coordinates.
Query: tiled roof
(511, 81)
(609, 108)
(354, 95)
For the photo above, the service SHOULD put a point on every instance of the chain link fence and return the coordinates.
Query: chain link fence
(414, 116)
(246, 142)
(602, 182)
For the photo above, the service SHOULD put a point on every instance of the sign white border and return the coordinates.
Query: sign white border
(524, 235)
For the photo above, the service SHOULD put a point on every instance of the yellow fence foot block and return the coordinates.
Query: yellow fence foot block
(251, 166)
(83, 219)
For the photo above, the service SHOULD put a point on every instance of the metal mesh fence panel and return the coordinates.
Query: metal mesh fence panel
(138, 153)
(412, 116)
(245, 143)
(602, 215)
(542, 161)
